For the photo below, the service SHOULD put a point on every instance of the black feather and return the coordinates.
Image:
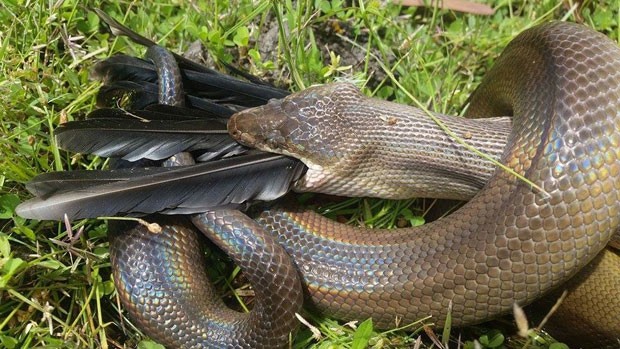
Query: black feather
(168, 112)
(217, 87)
(122, 67)
(154, 112)
(130, 137)
(176, 190)
(226, 89)
(145, 94)
(53, 183)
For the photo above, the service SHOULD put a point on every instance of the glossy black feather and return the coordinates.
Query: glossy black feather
(176, 190)
(122, 67)
(166, 112)
(53, 183)
(129, 136)
(144, 94)
(217, 94)
(217, 87)
(154, 112)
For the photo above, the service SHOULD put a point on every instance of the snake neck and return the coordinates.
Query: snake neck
(354, 145)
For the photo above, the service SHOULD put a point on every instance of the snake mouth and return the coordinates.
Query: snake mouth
(244, 138)
(266, 127)
(245, 127)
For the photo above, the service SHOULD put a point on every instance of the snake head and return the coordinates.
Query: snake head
(306, 125)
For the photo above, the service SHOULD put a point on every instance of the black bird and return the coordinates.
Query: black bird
(145, 133)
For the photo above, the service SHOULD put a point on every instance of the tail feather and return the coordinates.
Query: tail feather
(216, 87)
(170, 190)
(134, 139)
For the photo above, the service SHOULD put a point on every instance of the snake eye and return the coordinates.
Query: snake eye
(271, 144)
(274, 140)
(289, 107)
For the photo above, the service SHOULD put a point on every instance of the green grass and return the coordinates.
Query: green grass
(56, 292)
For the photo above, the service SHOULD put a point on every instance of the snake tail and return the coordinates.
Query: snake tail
(156, 275)
(169, 78)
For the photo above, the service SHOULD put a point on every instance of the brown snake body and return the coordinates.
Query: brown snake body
(509, 243)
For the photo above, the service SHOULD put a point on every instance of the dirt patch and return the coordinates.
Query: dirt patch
(335, 36)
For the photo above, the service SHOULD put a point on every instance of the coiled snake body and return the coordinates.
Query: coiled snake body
(510, 243)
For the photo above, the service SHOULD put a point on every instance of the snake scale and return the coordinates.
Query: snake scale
(509, 244)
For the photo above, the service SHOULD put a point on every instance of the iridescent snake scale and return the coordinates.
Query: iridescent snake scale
(510, 243)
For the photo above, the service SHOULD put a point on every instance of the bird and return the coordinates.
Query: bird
(143, 133)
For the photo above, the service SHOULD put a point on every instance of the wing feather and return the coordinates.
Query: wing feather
(175, 190)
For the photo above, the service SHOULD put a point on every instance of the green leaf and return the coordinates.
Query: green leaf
(203, 34)
(496, 341)
(447, 327)
(5, 246)
(146, 344)
(23, 230)
(89, 24)
(107, 287)
(362, 335)
(414, 220)
(469, 345)
(101, 251)
(255, 55)
(324, 6)
(368, 214)
(8, 342)
(50, 264)
(603, 18)
(9, 268)
(493, 339)
(8, 203)
(242, 37)
(215, 37)
(558, 346)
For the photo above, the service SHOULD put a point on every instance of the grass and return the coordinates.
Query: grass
(56, 289)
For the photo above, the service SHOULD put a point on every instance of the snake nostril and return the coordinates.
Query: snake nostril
(245, 139)
(274, 140)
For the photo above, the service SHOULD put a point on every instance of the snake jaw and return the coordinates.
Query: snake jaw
(315, 177)
(258, 127)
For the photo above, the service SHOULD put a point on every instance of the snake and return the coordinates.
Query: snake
(511, 243)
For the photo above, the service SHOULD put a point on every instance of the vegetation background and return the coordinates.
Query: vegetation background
(56, 292)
